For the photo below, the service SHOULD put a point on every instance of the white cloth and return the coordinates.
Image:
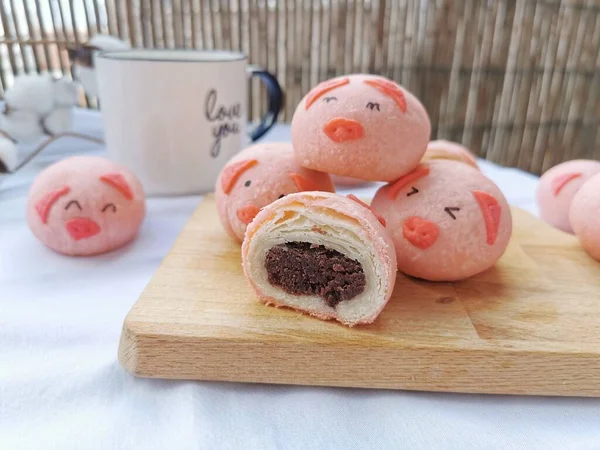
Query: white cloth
(61, 386)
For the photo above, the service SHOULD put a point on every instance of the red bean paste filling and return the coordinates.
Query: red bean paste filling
(302, 268)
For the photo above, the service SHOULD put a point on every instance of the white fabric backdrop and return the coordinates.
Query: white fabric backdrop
(61, 386)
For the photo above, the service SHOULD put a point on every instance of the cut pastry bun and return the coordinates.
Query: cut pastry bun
(323, 254)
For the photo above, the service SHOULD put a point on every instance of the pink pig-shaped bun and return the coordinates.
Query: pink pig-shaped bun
(442, 149)
(557, 188)
(361, 126)
(448, 221)
(85, 205)
(584, 215)
(256, 177)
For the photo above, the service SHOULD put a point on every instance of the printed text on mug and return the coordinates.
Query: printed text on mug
(224, 117)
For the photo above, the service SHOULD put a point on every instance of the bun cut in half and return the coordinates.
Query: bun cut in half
(323, 254)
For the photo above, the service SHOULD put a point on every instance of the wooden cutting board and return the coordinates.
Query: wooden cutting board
(530, 325)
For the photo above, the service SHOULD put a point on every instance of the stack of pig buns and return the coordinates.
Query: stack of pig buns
(568, 198)
(334, 257)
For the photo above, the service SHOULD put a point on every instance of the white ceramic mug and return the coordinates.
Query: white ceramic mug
(175, 117)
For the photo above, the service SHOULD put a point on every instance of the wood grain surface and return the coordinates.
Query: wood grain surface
(530, 325)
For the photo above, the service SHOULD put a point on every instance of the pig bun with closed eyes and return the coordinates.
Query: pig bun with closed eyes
(85, 205)
(360, 126)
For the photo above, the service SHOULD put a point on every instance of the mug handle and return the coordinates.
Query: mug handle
(275, 94)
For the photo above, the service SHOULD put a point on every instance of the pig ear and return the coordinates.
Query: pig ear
(303, 184)
(561, 180)
(420, 171)
(360, 202)
(44, 205)
(119, 182)
(233, 171)
(491, 211)
(323, 88)
(390, 89)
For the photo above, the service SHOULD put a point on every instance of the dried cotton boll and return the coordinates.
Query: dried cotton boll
(33, 93)
(23, 126)
(584, 215)
(558, 187)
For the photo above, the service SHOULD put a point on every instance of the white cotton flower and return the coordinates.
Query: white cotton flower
(9, 155)
(85, 74)
(22, 125)
(33, 93)
(59, 120)
(65, 93)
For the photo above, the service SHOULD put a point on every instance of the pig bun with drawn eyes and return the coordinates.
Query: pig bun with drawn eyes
(256, 177)
(85, 205)
(448, 221)
(361, 126)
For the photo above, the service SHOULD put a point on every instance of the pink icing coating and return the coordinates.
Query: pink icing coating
(448, 225)
(85, 205)
(584, 215)
(376, 233)
(273, 173)
(370, 128)
(557, 188)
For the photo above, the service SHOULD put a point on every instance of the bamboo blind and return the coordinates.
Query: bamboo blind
(516, 81)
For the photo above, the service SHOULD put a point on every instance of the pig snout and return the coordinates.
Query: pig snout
(82, 228)
(342, 130)
(247, 213)
(420, 232)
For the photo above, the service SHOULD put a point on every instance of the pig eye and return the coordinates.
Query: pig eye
(328, 99)
(372, 106)
(451, 210)
(412, 192)
(281, 196)
(248, 183)
(73, 202)
(109, 205)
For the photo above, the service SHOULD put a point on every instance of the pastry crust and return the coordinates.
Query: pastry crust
(339, 224)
